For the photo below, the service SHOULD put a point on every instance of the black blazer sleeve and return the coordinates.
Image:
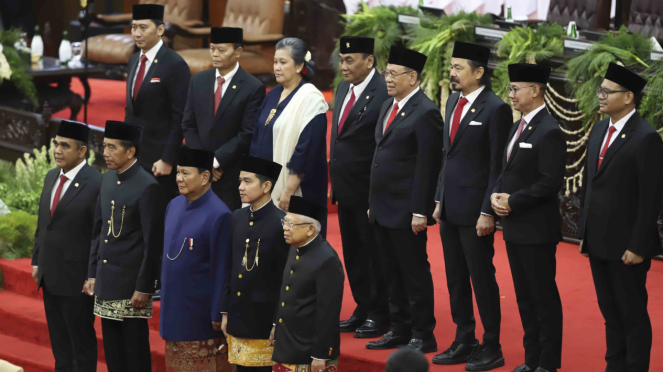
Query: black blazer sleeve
(152, 212)
(551, 168)
(499, 135)
(232, 150)
(329, 295)
(94, 244)
(429, 155)
(229, 267)
(177, 94)
(189, 120)
(649, 192)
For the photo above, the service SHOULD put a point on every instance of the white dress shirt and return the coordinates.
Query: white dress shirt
(70, 176)
(358, 89)
(528, 119)
(224, 87)
(401, 104)
(470, 101)
(619, 125)
(151, 54)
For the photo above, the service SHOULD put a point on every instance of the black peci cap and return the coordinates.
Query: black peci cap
(123, 131)
(625, 77)
(148, 11)
(263, 167)
(357, 44)
(472, 52)
(299, 205)
(407, 58)
(222, 35)
(189, 157)
(74, 130)
(528, 73)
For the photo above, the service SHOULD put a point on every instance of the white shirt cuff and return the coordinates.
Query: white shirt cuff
(314, 358)
(224, 313)
(486, 214)
(216, 163)
(418, 215)
(34, 266)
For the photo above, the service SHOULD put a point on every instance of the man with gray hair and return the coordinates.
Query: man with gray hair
(306, 333)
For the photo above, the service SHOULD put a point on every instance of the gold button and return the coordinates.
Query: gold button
(281, 320)
(287, 288)
(296, 257)
(238, 293)
(240, 276)
(282, 303)
(105, 261)
(292, 272)
(251, 223)
(247, 240)
(190, 248)
(106, 241)
(109, 222)
(118, 183)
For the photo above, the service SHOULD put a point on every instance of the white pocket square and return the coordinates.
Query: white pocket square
(475, 123)
(525, 145)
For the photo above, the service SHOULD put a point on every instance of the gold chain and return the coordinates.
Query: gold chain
(124, 207)
(271, 115)
(246, 256)
(182, 247)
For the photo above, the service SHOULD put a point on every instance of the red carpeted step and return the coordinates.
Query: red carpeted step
(17, 277)
(24, 318)
(30, 357)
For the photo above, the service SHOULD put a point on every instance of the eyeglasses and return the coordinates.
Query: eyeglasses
(391, 74)
(285, 223)
(515, 90)
(603, 92)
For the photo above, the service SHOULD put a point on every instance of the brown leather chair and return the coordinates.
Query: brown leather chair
(588, 14)
(262, 21)
(646, 18)
(118, 48)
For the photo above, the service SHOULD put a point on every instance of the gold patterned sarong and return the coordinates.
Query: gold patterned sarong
(330, 366)
(198, 356)
(120, 309)
(249, 352)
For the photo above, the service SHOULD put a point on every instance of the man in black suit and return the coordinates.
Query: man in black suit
(62, 249)
(525, 197)
(475, 132)
(619, 205)
(156, 94)
(406, 164)
(221, 109)
(358, 100)
(125, 257)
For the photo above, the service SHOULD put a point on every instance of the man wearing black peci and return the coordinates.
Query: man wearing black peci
(406, 164)
(62, 249)
(525, 197)
(358, 100)
(619, 204)
(221, 110)
(156, 94)
(475, 132)
(125, 257)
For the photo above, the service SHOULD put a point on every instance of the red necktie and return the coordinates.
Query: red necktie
(346, 112)
(217, 94)
(58, 192)
(520, 130)
(456, 120)
(140, 75)
(394, 111)
(611, 130)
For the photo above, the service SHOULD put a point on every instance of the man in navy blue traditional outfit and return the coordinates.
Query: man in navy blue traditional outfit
(197, 236)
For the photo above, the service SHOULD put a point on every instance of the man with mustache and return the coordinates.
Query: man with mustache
(221, 110)
(476, 130)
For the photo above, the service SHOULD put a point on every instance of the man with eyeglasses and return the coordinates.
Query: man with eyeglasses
(358, 100)
(306, 334)
(406, 164)
(525, 197)
(619, 205)
(476, 130)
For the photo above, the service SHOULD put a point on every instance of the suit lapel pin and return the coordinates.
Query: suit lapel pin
(472, 110)
(234, 86)
(623, 136)
(530, 128)
(402, 114)
(364, 108)
(76, 184)
(156, 60)
(367, 97)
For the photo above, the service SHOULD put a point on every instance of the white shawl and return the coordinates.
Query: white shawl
(306, 104)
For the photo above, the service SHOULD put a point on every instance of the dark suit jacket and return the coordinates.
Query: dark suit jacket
(352, 151)
(159, 105)
(533, 177)
(473, 162)
(62, 243)
(406, 163)
(228, 133)
(620, 202)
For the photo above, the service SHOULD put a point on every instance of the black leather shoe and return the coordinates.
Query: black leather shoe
(457, 353)
(388, 341)
(350, 324)
(485, 359)
(522, 368)
(428, 346)
(371, 329)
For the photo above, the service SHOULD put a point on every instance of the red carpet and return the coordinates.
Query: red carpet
(24, 335)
